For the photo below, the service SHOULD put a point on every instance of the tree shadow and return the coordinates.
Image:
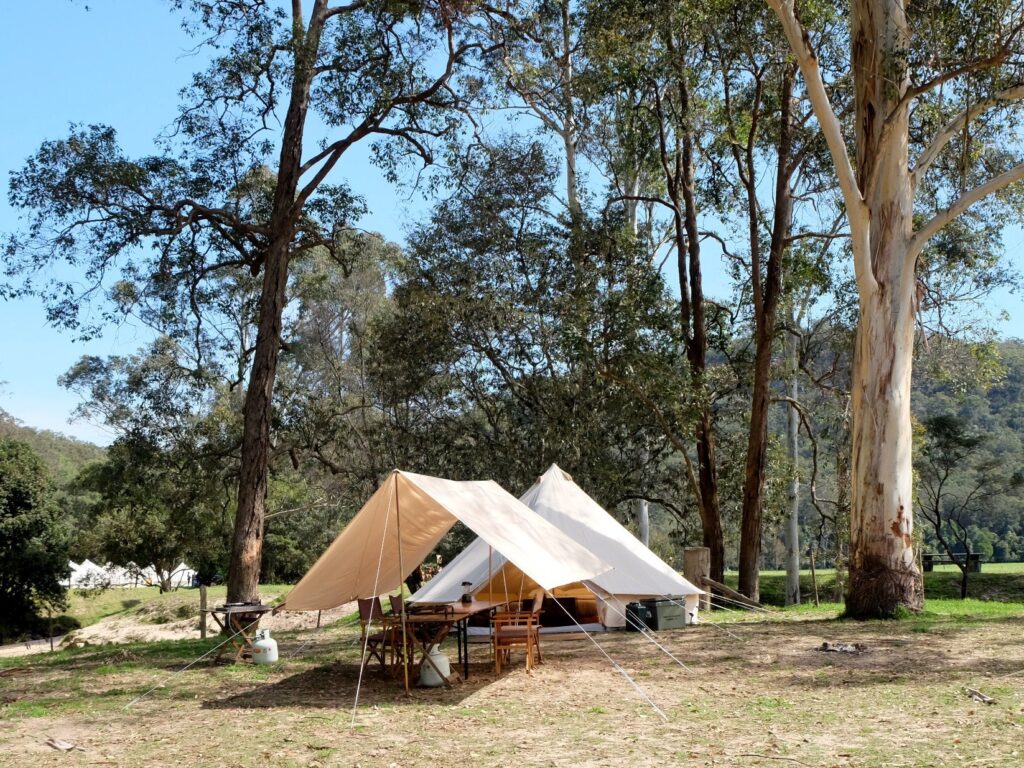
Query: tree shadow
(334, 687)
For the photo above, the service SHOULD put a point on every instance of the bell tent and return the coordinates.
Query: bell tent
(637, 572)
(405, 519)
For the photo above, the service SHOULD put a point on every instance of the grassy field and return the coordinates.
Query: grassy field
(997, 581)
(147, 604)
(755, 691)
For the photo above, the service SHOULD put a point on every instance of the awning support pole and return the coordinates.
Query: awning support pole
(401, 590)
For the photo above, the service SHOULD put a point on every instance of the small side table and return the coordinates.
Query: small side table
(239, 622)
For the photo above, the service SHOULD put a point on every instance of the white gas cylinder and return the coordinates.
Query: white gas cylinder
(264, 649)
(428, 675)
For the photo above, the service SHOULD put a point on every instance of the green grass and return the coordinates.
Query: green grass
(147, 604)
(762, 679)
(1002, 582)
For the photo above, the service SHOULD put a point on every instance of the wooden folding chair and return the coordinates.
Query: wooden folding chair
(374, 643)
(517, 629)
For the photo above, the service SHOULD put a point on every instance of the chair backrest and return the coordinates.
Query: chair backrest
(538, 601)
(396, 603)
(369, 609)
(518, 620)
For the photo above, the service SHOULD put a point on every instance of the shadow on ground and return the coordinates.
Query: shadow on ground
(334, 686)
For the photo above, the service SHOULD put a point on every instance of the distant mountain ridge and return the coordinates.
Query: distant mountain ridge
(65, 456)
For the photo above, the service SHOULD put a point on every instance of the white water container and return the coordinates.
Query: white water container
(428, 675)
(692, 603)
(264, 649)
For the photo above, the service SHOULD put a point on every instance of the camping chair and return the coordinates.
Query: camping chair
(396, 604)
(514, 629)
(374, 643)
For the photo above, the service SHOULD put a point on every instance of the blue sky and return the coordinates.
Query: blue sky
(122, 63)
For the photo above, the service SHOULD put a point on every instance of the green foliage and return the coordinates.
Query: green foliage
(153, 507)
(33, 541)
(64, 456)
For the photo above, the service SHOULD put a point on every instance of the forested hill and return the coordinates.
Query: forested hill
(64, 456)
(992, 414)
(993, 406)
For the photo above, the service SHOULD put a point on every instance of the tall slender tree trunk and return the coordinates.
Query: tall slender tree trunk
(247, 541)
(679, 173)
(645, 523)
(569, 130)
(883, 574)
(766, 306)
(793, 449)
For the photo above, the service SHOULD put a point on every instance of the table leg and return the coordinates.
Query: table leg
(223, 646)
(464, 633)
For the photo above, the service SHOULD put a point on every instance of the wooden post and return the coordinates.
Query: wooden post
(696, 568)
(202, 611)
(814, 578)
(318, 619)
(406, 653)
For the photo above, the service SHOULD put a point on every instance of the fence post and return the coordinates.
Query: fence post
(202, 611)
(696, 568)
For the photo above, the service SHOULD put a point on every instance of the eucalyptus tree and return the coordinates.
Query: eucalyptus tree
(654, 53)
(764, 139)
(539, 72)
(522, 320)
(940, 83)
(365, 70)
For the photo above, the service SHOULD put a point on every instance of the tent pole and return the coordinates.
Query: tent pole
(401, 591)
(490, 588)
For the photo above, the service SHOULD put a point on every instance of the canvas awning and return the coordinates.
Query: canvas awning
(417, 510)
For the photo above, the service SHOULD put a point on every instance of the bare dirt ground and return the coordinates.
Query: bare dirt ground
(751, 694)
(140, 628)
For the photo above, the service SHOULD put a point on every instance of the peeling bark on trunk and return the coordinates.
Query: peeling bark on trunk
(883, 574)
(884, 577)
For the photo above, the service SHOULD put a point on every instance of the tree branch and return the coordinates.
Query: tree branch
(856, 208)
(965, 201)
(956, 125)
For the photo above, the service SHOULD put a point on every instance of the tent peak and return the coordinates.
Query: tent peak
(555, 468)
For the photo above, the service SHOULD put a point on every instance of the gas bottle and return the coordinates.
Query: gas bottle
(264, 649)
(428, 675)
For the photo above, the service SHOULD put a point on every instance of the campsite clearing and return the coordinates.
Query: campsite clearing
(756, 693)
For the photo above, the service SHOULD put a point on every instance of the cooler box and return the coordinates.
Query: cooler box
(638, 616)
(665, 614)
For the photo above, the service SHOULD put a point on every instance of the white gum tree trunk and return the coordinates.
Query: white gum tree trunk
(879, 198)
(883, 574)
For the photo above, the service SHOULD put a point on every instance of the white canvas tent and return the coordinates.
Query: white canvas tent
(637, 572)
(182, 576)
(405, 518)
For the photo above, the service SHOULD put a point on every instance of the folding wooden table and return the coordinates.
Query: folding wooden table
(239, 622)
(430, 624)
